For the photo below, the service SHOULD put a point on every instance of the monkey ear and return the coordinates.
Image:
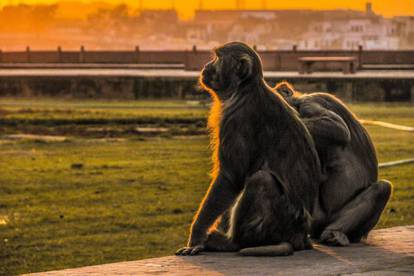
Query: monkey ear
(285, 89)
(245, 66)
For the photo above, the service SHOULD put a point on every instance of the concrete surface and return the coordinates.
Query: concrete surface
(386, 252)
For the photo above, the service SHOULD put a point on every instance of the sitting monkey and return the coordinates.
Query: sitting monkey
(266, 168)
(351, 197)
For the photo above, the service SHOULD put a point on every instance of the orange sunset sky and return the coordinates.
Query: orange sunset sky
(186, 7)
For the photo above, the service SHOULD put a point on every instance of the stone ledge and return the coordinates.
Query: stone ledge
(386, 252)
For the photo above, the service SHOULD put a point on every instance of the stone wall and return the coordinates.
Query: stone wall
(113, 87)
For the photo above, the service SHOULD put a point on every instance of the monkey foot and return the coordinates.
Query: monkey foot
(335, 238)
(308, 244)
(190, 251)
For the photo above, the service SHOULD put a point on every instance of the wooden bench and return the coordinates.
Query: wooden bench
(349, 63)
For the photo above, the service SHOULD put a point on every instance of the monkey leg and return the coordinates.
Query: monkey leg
(224, 223)
(359, 216)
(219, 241)
(264, 220)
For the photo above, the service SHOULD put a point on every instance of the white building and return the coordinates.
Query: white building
(405, 29)
(371, 33)
(249, 34)
(322, 35)
(374, 33)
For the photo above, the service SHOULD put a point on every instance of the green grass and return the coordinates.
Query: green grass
(115, 118)
(132, 198)
(397, 113)
(52, 111)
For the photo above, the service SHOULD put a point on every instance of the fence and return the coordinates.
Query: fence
(286, 60)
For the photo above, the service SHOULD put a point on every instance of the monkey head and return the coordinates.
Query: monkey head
(234, 65)
(285, 89)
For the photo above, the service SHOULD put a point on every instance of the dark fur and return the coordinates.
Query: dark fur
(351, 197)
(265, 162)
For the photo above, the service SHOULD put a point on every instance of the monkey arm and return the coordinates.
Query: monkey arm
(324, 124)
(221, 194)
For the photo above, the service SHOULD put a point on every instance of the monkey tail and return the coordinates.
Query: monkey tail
(281, 249)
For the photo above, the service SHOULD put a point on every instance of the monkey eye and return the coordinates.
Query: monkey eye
(216, 60)
(213, 56)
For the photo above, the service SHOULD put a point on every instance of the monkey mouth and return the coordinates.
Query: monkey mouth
(205, 81)
(209, 81)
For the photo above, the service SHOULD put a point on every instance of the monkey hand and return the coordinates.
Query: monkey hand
(190, 250)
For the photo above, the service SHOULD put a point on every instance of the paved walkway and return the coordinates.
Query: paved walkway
(179, 73)
(387, 252)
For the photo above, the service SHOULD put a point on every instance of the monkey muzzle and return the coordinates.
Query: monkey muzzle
(207, 78)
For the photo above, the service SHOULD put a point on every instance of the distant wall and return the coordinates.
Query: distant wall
(195, 59)
(106, 87)
(277, 60)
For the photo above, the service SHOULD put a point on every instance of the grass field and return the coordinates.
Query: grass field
(105, 196)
